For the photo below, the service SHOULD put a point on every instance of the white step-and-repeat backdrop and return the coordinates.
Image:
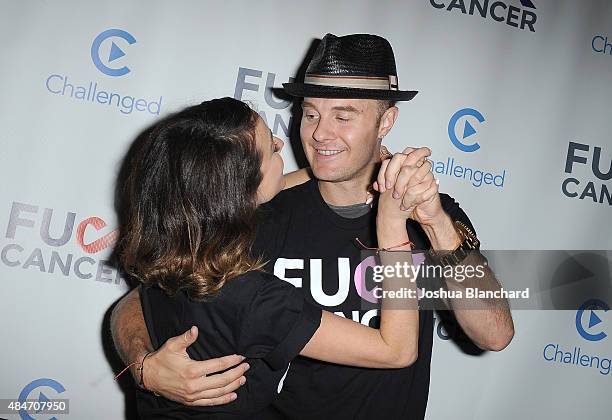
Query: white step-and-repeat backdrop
(515, 102)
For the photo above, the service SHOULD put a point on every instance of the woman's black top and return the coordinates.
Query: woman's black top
(256, 315)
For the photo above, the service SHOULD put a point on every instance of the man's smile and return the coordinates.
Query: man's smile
(328, 152)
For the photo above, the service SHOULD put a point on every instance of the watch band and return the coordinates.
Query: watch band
(469, 243)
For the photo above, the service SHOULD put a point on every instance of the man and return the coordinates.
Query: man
(308, 235)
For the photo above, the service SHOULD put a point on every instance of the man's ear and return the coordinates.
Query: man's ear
(387, 120)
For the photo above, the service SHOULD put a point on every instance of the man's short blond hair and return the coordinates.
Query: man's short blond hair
(383, 105)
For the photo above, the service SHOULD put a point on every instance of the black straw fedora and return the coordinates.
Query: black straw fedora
(359, 66)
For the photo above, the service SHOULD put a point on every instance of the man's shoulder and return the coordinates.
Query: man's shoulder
(287, 204)
(447, 201)
(277, 217)
(291, 197)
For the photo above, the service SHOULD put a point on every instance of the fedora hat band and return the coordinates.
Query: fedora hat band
(356, 82)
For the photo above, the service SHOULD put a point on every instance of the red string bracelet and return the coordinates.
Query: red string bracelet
(124, 370)
(142, 384)
(140, 368)
(384, 249)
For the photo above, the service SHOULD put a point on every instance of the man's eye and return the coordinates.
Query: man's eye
(342, 119)
(310, 116)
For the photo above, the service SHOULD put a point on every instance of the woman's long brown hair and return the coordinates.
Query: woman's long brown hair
(191, 199)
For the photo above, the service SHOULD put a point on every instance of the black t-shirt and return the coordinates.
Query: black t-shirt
(255, 315)
(312, 247)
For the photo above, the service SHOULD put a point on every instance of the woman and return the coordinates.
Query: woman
(192, 195)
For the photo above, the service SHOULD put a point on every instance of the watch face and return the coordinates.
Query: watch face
(469, 239)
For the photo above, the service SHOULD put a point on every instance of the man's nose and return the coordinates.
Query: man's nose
(323, 132)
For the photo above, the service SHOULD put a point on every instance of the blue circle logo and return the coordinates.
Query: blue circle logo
(38, 383)
(468, 129)
(115, 51)
(589, 307)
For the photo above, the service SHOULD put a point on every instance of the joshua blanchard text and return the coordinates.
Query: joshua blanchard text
(467, 293)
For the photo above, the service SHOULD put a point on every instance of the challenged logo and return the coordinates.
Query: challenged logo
(107, 55)
(587, 357)
(43, 400)
(114, 54)
(461, 130)
(589, 308)
(601, 45)
(468, 129)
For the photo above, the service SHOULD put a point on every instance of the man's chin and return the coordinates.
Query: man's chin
(328, 176)
(340, 174)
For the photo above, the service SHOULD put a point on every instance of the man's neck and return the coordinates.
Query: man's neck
(345, 193)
